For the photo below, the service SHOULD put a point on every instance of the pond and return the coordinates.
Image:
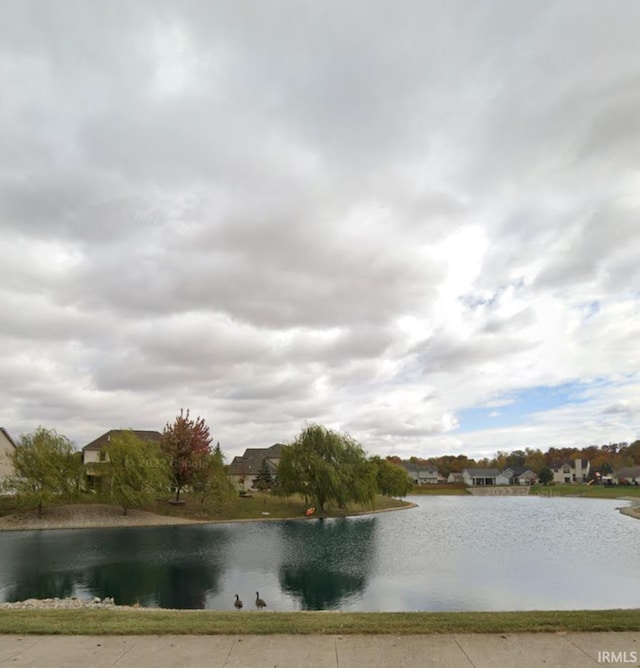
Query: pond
(449, 553)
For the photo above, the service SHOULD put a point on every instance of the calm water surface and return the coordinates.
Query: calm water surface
(450, 553)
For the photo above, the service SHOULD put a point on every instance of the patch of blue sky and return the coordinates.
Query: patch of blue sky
(514, 408)
(589, 309)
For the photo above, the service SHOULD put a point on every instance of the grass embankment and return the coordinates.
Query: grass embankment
(446, 489)
(259, 506)
(200, 622)
(587, 491)
(253, 507)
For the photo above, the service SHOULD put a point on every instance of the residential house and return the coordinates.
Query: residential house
(422, 475)
(94, 454)
(520, 475)
(455, 477)
(7, 448)
(571, 471)
(628, 474)
(243, 470)
(480, 476)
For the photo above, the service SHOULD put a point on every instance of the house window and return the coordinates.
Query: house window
(566, 469)
(103, 456)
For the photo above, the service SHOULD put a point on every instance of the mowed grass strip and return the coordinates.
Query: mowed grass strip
(200, 622)
(587, 491)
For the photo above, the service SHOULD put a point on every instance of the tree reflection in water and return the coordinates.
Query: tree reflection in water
(41, 570)
(169, 567)
(327, 561)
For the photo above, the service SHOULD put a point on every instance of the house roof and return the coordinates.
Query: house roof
(557, 465)
(251, 461)
(628, 472)
(518, 470)
(6, 434)
(102, 441)
(483, 473)
(433, 470)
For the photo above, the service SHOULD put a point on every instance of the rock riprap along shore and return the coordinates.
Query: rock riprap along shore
(61, 603)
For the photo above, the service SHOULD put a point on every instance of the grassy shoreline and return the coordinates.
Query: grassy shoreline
(204, 622)
(93, 512)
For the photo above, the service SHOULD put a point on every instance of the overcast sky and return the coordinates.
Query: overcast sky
(415, 221)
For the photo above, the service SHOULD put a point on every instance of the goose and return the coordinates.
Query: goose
(259, 602)
(237, 603)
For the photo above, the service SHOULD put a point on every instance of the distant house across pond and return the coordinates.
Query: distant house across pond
(244, 469)
(422, 475)
(571, 471)
(481, 476)
(627, 474)
(94, 454)
(520, 475)
(7, 448)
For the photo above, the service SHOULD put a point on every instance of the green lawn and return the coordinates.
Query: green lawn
(255, 506)
(588, 491)
(260, 506)
(200, 622)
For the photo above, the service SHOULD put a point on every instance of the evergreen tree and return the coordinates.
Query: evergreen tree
(546, 475)
(264, 479)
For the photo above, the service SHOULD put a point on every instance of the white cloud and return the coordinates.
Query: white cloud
(373, 217)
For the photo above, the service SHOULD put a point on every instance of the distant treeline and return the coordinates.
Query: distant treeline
(604, 458)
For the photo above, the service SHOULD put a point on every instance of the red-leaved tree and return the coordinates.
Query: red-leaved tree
(185, 441)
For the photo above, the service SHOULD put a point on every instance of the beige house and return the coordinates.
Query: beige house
(94, 454)
(575, 471)
(243, 470)
(7, 448)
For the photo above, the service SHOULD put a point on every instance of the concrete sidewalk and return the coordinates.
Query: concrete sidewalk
(521, 650)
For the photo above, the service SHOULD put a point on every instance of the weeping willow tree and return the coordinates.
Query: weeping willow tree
(326, 467)
(46, 469)
(137, 471)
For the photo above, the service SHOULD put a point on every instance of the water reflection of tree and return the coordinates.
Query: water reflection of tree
(39, 570)
(326, 561)
(177, 572)
(172, 567)
(37, 584)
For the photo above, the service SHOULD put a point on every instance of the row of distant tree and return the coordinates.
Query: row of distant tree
(326, 467)
(604, 458)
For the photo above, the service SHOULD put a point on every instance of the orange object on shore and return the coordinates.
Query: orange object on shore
(310, 511)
